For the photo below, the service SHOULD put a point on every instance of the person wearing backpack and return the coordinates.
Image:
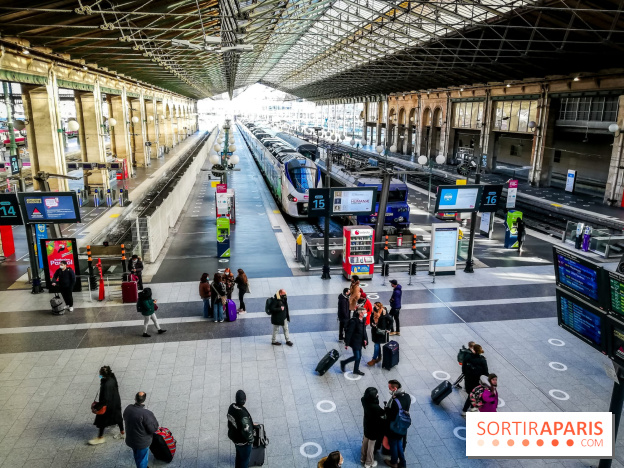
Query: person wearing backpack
(399, 420)
(277, 308)
(461, 357)
(240, 429)
(473, 367)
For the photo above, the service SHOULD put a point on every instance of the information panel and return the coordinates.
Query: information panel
(10, 214)
(581, 319)
(49, 207)
(616, 335)
(319, 200)
(444, 247)
(458, 198)
(615, 282)
(350, 201)
(489, 199)
(578, 275)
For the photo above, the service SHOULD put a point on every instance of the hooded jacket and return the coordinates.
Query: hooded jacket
(343, 307)
(373, 415)
(278, 316)
(65, 279)
(395, 300)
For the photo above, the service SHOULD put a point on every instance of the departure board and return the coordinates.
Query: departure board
(581, 319)
(617, 343)
(577, 274)
(616, 293)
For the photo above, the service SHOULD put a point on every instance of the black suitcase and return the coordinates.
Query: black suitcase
(390, 355)
(58, 305)
(327, 362)
(258, 449)
(441, 392)
(258, 454)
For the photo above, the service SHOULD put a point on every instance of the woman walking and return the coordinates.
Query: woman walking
(204, 293)
(242, 283)
(381, 326)
(148, 307)
(217, 289)
(474, 366)
(108, 399)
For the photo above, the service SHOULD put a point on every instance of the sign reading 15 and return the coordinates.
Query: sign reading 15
(319, 204)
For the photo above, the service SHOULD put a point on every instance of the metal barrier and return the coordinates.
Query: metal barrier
(412, 267)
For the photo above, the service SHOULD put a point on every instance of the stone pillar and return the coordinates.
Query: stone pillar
(92, 145)
(45, 137)
(542, 156)
(614, 188)
(487, 136)
(417, 128)
(169, 116)
(121, 138)
(445, 131)
(137, 129)
(152, 129)
(160, 123)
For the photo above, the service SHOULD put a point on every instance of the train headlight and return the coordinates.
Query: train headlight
(373, 218)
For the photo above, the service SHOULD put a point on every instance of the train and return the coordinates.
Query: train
(289, 174)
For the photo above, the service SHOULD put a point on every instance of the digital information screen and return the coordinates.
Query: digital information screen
(577, 274)
(616, 292)
(318, 202)
(444, 246)
(490, 198)
(458, 198)
(49, 207)
(581, 319)
(617, 341)
(10, 213)
(353, 201)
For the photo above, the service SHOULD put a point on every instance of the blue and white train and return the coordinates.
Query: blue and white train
(290, 175)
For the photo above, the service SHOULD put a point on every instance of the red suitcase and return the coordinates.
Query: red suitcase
(230, 311)
(129, 292)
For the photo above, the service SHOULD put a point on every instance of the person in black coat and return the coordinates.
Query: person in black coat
(280, 317)
(65, 279)
(396, 441)
(109, 397)
(356, 338)
(381, 326)
(135, 266)
(374, 418)
(343, 312)
(473, 367)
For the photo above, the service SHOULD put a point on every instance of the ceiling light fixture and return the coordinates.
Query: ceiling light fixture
(25, 51)
(577, 78)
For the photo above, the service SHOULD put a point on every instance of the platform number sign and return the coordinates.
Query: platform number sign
(14, 165)
(490, 198)
(10, 214)
(319, 202)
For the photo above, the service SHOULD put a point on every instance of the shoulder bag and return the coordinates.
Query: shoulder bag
(95, 406)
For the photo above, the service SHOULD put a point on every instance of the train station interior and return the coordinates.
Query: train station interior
(462, 157)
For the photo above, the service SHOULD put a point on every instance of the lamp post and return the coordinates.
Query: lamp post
(422, 160)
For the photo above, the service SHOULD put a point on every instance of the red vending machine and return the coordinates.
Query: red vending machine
(358, 251)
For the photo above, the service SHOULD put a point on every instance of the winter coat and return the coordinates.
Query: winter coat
(395, 300)
(474, 366)
(373, 417)
(490, 400)
(343, 308)
(145, 306)
(109, 397)
(392, 411)
(204, 290)
(354, 296)
(217, 290)
(242, 286)
(64, 279)
(384, 322)
(229, 284)
(138, 266)
(368, 306)
(140, 426)
(278, 316)
(355, 336)
(240, 425)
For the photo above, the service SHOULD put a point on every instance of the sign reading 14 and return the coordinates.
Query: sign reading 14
(7, 209)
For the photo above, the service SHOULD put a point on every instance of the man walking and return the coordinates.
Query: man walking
(65, 279)
(240, 430)
(343, 312)
(355, 337)
(395, 305)
(135, 266)
(399, 403)
(140, 427)
(278, 309)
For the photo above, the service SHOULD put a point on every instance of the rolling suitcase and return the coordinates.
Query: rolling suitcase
(327, 362)
(258, 450)
(58, 305)
(390, 355)
(441, 392)
(163, 445)
(229, 312)
(129, 292)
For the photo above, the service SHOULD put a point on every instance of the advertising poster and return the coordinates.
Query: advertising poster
(570, 181)
(512, 192)
(353, 201)
(444, 247)
(54, 252)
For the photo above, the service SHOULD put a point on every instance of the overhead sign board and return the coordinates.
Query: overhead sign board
(15, 168)
(319, 200)
(49, 207)
(512, 193)
(10, 214)
(353, 200)
(458, 198)
(490, 197)
(582, 320)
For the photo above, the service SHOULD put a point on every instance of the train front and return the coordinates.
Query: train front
(397, 210)
(301, 175)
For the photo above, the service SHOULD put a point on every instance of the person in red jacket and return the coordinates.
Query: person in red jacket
(366, 304)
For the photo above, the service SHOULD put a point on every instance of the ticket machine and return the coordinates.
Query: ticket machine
(511, 229)
(358, 251)
(223, 237)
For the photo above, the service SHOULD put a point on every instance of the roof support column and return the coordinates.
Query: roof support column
(121, 145)
(152, 129)
(615, 183)
(541, 157)
(92, 146)
(171, 127)
(47, 152)
(445, 131)
(417, 127)
(487, 137)
(137, 127)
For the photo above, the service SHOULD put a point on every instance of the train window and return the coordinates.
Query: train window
(397, 196)
(303, 178)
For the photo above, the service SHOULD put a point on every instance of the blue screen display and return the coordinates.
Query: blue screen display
(581, 320)
(41, 208)
(578, 277)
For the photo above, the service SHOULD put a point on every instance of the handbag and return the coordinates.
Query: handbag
(247, 290)
(224, 300)
(95, 404)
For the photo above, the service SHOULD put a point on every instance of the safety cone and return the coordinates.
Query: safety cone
(99, 266)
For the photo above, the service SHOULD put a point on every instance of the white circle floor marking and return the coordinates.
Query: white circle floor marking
(556, 342)
(372, 296)
(501, 402)
(349, 376)
(224, 260)
(456, 432)
(326, 402)
(435, 374)
(558, 366)
(564, 396)
(302, 449)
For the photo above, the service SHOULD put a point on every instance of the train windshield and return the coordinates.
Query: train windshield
(397, 196)
(303, 178)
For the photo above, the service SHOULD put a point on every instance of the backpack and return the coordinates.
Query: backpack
(463, 352)
(476, 396)
(267, 305)
(402, 421)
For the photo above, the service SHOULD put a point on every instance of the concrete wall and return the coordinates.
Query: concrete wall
(591, 159)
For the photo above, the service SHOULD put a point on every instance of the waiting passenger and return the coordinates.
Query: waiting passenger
(107, 409)
(474, 366)
(228, 280)
(204, 294)
(374, 420)
(356, 338)
(242, 283)
(343, 313)
(219, 292)
(280, 316)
